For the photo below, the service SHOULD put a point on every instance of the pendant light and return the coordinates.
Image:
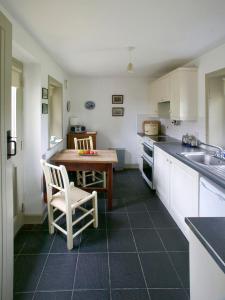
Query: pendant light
(130, 66)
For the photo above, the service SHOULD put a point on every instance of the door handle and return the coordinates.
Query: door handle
(10, 142)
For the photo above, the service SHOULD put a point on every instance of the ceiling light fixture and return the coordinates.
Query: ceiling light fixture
(130, 66)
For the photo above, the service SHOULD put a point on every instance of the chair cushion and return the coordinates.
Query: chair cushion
(76, 194)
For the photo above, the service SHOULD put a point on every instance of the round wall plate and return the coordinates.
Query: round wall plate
(89, 105)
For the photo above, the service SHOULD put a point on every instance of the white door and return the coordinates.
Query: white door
(17, 135)
(6, 202)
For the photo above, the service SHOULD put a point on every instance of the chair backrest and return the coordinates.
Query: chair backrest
(83, 144)
(56, 178)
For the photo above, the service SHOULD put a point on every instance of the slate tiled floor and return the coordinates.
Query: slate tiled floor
(137, 253)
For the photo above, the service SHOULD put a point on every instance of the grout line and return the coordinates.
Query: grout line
(149, 296)
(75, 272)
(168, 254)
(107, 244)
(45, 263)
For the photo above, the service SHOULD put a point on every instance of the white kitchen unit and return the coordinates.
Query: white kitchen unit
(140, 152)
(162, 170)
(179, 87)
(183, 100)
(177, 186)
(154, 97)
(207, 280)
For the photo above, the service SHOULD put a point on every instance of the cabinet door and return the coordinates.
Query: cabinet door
(184, 190)
(162, 175)
(164, 88)
(175, 96)
(139, 152)
(154, 98)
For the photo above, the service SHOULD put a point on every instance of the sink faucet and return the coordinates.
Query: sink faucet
(220, 152)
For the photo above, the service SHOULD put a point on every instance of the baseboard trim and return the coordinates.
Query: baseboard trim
(35, 219)
(131, 166)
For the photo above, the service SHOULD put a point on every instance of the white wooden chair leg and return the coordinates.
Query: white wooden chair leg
(93, 176)
(104, 180)
(69, 231)
(50, 219)
(95, 212)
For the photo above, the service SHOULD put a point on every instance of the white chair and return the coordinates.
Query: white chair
(87, 144)
(65, 197)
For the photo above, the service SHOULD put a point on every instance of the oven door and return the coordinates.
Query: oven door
(148, 151)
(147, 171)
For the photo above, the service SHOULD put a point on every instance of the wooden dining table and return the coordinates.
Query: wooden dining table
(102, 162)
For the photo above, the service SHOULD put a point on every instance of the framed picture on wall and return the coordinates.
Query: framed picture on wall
(44, 93)
(117, 99)
(44, 108)
(117, 111)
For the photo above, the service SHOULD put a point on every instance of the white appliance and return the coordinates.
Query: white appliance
(212, 199)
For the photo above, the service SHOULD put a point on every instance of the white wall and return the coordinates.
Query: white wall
(37, 66)
(118, 132)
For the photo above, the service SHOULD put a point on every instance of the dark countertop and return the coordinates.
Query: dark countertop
(211, 233)
(207, 171)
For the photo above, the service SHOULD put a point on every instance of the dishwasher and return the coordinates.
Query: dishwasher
(212, 199)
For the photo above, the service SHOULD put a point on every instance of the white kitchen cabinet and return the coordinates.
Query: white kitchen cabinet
(164, 88)
(177, 186)
(183, 89)
(154, 97)
(184, 192)
(139, 152)
(162, 170)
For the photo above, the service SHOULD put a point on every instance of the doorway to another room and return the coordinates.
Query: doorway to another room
(17, 136)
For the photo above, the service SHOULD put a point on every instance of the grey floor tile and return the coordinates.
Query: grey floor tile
(37, 242)
(117, 221)
(168, 294)
(58, 273)
(20, 241)
(158, 271)
(91, 295)
(53, 295)
(93, 240)
(23, 296)
(173, 239)
(147, 240)
(27, 270)
(125, 271)
(140, 220)
(92, 272)
(162, 219)
(131, 294)
(121, 241)
(181, 262)
(137, 206)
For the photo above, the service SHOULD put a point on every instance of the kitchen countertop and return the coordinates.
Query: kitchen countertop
(207, 171)
(211, 233)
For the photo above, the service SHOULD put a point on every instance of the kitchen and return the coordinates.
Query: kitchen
(161, 237)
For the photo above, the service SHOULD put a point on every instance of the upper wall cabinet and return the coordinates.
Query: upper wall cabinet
(183, 101)
(179, 88)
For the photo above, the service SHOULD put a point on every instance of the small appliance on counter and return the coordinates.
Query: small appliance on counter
(75, 126)
(151, 127)
(189, 140)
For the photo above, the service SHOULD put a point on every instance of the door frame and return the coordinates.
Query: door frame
(6, 203)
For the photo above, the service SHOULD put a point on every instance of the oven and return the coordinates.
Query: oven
(147, 170)
(148, 151)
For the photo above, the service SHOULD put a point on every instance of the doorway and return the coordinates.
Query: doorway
(17, 136)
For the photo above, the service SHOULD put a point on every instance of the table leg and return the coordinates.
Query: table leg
(109, 185)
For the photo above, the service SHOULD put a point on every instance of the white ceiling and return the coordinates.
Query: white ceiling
(90, 37)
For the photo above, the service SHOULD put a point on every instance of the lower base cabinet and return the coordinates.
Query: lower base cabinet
(206, 278)
(177, 186)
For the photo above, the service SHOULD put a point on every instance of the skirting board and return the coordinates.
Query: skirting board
(35, 219)
(131, 166)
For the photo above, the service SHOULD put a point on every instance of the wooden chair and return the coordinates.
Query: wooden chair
(65, 197)
(87, 144)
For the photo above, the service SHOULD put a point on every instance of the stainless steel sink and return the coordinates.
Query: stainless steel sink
(203, 158)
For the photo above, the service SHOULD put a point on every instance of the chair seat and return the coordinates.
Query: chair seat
(76, 194)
